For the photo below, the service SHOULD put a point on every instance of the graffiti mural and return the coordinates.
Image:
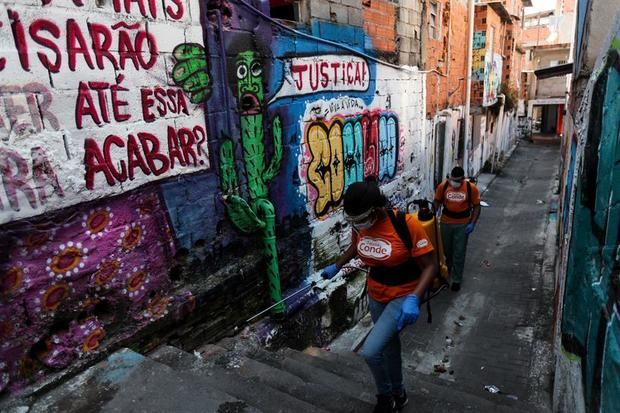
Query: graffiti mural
(95, 103)
(108, 120)
(146, 146)
(492, 77)
(479, 52)
(348, 148)
(258, 213)
(590, 263)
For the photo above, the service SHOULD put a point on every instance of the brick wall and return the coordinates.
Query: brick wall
(445, 56)
(392, 31)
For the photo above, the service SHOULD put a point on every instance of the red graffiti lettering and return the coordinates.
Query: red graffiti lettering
(45, 25)
(117, 103)
(144, 154)
(109, 141)
(126, 7)
(168, 101)
(178, 13)
(96, 45)
(299, 70)
(199, 131)
(173, 148)
(134, 158)
(95, 163)
(14, 170)
(152, 153)
(43, 174)
(102, 40)
(85, 104)
(314, 79)
(187, 140)
(76, 44)
(19, 37)
(324, 74)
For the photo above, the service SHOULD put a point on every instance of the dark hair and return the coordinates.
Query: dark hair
(362, 196)
(457, 172)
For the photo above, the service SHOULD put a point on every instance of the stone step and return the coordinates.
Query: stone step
(322, 396)
(223, 373)
(313, 374)
(129, 382)
(427, 393)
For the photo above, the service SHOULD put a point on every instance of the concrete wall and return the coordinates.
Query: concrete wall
(140, 138)
(588, 299)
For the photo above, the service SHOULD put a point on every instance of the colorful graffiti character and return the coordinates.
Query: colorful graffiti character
(347, 150)
(190, 72)
(257, 213)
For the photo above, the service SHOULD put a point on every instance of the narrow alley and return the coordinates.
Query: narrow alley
(498, 329)
(205, 203)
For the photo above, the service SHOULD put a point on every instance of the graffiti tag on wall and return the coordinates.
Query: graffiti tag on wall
(91, 107)
(307, 75)
(346, 147)
(492, 78)
(479, 52)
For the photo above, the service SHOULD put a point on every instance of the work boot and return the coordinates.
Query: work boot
(401, 400)
(385, 404)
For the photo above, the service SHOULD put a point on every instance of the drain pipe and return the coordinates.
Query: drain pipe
(470, 19)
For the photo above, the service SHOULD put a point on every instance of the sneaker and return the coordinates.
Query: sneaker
(401, 400)
(455, 286)
(385, 404)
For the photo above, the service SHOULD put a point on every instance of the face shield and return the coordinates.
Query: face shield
(362, 221)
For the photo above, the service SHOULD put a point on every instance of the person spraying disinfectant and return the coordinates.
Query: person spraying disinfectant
(460, 208)
(401, 270)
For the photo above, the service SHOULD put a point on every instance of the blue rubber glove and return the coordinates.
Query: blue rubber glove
(329, 272)
(409, 311)
(470, 228)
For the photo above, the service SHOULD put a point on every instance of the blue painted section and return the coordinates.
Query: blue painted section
(120, 365)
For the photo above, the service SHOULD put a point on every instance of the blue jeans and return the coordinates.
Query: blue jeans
(382, 347)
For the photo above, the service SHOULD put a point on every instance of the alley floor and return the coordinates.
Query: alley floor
(497, 329)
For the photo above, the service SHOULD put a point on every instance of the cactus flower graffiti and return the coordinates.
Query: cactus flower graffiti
(257, 213)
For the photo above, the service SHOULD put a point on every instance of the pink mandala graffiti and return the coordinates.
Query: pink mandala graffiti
(52, 297)
(67, 260)
(107, 271)
(157, 307)
(36, 242)
(14, 280)
(136, 282)
(97, 222)
(132, 236)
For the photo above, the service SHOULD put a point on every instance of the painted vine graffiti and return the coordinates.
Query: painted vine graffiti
(257, 213)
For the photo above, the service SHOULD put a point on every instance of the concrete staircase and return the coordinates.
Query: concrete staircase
(225, 379)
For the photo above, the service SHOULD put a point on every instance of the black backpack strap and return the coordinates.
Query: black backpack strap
(445, 189)
(399, 222)
(471, 204)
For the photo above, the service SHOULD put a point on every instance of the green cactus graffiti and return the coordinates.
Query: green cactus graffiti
(257, 214)
(190, 71)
